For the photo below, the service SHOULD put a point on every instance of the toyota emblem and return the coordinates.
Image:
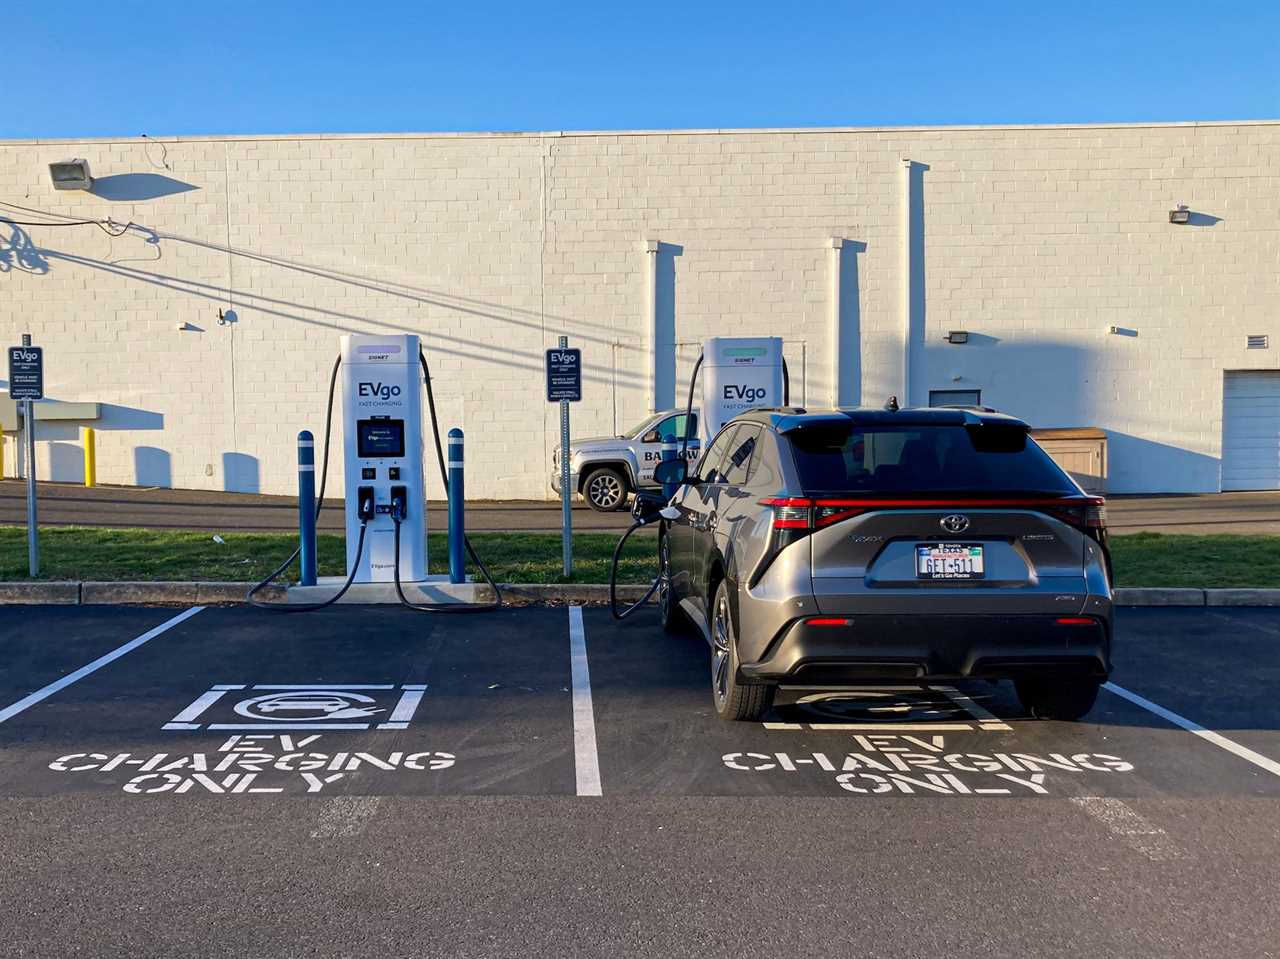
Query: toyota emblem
(955, 522)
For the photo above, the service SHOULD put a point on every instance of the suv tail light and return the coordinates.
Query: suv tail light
(796, 516)
(802, 513)
(789, 512)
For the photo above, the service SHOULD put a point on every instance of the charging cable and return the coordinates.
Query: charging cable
(324, 479)
(399, 511)
(647, 510)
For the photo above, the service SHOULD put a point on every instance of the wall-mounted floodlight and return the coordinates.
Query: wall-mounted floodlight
(71, 175)
(1180, 215)
(956, 337)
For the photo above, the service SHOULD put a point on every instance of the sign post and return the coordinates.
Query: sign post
(564, 386)
(26, 383)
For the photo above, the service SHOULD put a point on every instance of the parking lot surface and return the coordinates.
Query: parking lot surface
(371, 781)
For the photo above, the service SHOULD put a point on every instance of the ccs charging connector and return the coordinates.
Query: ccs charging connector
(399, 503)
(365, 503)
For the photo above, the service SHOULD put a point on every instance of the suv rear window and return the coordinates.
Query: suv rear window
(924, 459)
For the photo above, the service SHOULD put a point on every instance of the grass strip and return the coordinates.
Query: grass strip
(82, 553)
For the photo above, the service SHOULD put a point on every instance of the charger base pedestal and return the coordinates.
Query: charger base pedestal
(433, 589)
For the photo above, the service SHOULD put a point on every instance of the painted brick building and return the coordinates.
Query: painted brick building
(208, 329)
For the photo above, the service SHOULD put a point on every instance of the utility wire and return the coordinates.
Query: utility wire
(105, 227)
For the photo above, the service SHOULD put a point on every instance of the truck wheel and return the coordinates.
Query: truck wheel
(734, 699)
(1063, 699)
(605, 489)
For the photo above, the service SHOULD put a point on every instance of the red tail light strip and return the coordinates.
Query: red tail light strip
(799, 512)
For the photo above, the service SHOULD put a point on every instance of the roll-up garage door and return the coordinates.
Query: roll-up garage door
(1251, 430)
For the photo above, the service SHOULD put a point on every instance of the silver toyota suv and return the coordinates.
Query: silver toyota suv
(607, 469)
(859, 545)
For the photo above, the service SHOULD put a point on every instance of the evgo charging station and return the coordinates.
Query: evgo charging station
(382, 423)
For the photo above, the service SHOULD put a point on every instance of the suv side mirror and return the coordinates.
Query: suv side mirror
(671, 471)
(651, 437)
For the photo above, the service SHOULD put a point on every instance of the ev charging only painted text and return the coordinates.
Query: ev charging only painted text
(248, 764)
(923, 765)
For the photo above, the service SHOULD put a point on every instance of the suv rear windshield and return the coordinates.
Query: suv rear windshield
(925, 459)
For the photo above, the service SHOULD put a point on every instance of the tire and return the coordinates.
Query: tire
(670, 614)
(1067, 700)
(605, 489)
(733, 699)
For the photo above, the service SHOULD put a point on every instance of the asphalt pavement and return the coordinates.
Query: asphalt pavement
(366, 781)
(66, 504)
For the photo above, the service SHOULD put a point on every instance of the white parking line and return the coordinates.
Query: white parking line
(39, 695)
(1128, 825)
(1191, 726)
(586, 760)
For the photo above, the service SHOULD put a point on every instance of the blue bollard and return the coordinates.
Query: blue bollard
(307, 506)
(457, 510)
(670, 452)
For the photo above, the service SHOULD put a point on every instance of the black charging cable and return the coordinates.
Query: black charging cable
(646, 517)
(646, 514)
(311, 607)
(324, 479)
(398, 517)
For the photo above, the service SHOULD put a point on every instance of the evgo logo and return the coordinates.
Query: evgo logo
(383, 391)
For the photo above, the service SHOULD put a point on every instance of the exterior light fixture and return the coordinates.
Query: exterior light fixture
(956, 337)
(70, 175)
(1180, 215)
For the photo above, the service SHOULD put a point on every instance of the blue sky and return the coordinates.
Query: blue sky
(123, 69)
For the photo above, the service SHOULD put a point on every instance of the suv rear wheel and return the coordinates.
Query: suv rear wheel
(733, 698)
(1064, 699)
(605, 489)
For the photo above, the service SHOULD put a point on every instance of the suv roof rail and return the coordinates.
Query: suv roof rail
(967, 406)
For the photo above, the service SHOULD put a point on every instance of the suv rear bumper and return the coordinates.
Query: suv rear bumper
(914, 647)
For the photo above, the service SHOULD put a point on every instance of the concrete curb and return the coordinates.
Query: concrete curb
(175, 593)
(96, 594)
(1159, 596)
(1242, 597)
(30, 594)
(205, 593)
(235, 592)
(570, 592)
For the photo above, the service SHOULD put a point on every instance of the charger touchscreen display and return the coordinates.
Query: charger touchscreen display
(380, 438)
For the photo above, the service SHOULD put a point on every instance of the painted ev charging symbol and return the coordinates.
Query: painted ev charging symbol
(908, 709)
(309, 706)
(878, 705)
(338, 706)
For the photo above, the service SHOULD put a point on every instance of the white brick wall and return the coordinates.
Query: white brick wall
(1036, 240)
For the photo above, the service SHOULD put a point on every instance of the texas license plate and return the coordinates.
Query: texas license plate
(949, 561)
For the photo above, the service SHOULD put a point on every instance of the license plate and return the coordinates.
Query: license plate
(949, 561)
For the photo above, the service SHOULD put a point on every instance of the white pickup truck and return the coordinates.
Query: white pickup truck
(607, 469)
